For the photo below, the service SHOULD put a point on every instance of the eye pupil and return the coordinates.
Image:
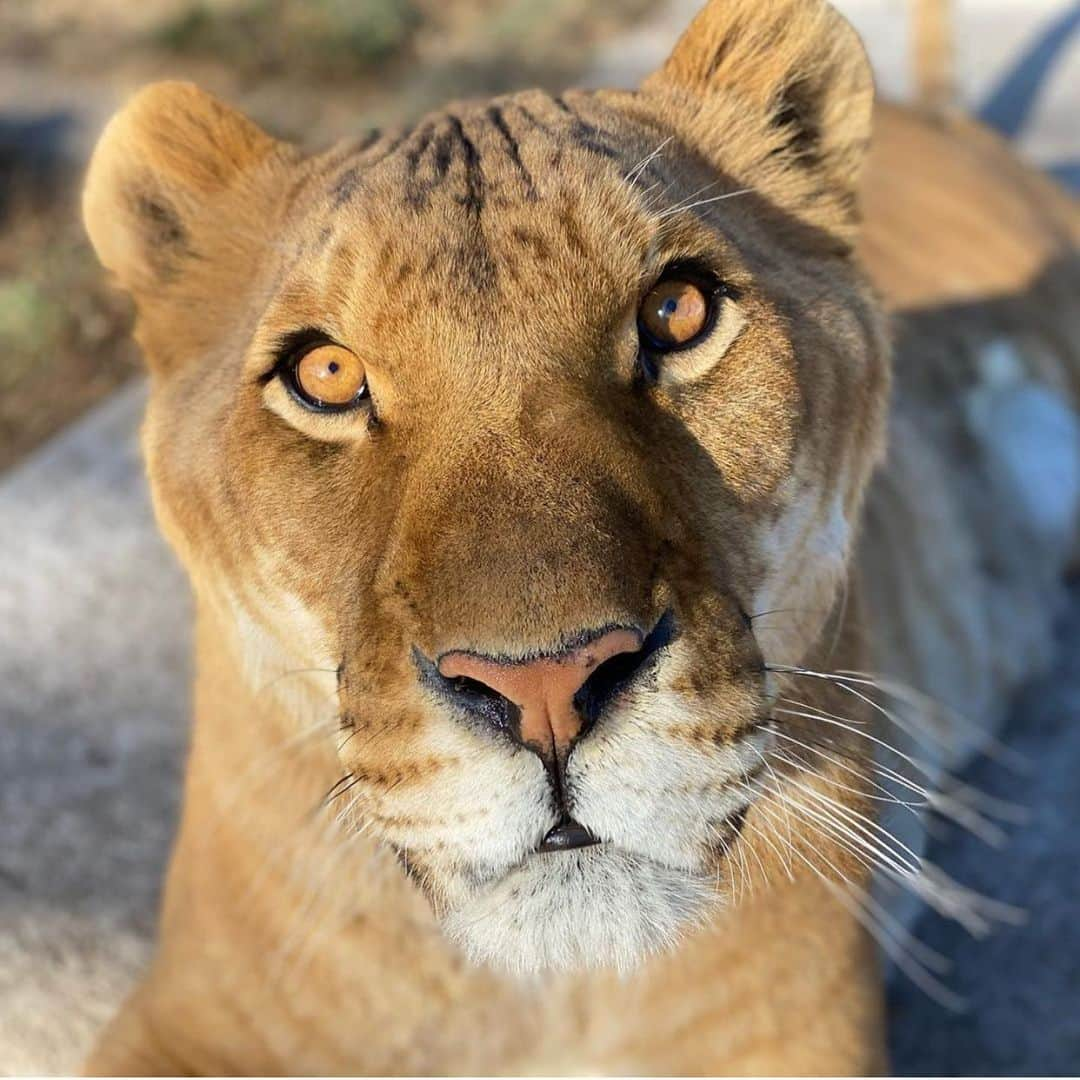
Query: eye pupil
(333, 367)
(670, 307)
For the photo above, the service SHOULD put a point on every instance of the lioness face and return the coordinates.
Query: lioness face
(514, 423)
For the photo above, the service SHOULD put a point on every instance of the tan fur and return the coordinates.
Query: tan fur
(518, 484)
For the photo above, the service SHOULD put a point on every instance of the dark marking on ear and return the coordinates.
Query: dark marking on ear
(161, 221)
(163, 235)
(495, 115)
(795, 115)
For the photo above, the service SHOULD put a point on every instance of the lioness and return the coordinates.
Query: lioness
(517, 460)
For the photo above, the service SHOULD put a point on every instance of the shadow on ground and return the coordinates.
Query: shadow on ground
(1023, 984)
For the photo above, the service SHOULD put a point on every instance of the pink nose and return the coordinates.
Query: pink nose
(543, 689)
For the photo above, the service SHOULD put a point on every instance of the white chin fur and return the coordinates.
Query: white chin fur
(597, 907)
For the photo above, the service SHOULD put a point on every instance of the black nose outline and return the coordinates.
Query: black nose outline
(493, 712)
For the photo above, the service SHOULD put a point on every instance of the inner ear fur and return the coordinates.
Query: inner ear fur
(780, 95)
(178, 202)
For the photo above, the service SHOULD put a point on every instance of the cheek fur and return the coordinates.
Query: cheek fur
(285, 652)
(805, 552)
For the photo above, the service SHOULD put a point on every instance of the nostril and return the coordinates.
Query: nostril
(605, 682)
(463, 685)
(616, 673)
(485, 702)
(472, 695)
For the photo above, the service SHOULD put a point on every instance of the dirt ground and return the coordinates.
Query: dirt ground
(310, 71)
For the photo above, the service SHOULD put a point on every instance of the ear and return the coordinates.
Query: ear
(779, 91)
(179, 200)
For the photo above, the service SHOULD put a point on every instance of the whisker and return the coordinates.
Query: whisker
(292, 672)
(703, 202)
(990, 745)
(862, 908)
(922, 768)
(632, 176)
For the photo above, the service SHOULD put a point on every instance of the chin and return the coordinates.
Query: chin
(596, 907)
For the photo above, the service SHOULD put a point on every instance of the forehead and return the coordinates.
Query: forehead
(515, 197)
(511, 149)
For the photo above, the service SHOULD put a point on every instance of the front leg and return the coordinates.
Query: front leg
(132, 1045)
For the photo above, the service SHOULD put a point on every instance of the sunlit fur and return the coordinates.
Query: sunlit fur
(356, 885)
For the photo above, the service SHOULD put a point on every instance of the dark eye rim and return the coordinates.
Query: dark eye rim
(715, 290)
(291, 350)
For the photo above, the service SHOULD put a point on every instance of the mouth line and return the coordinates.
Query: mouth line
(571, 835)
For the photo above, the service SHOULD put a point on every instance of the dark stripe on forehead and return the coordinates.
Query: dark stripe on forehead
(348, 183)
(495, 115)
(418, 188)
(586, 134)
(431, 149)
(417, 147)
(430, 157)
(579, 132)
(345, 186)
(462, 154)
(473, 200)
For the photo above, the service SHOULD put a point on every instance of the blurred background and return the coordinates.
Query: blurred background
(93, 613)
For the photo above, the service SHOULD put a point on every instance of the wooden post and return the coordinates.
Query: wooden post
(932, 38)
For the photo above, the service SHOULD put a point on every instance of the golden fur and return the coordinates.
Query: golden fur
(354, 887)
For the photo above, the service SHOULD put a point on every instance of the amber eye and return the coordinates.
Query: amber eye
(329, 377)
(674, 314)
